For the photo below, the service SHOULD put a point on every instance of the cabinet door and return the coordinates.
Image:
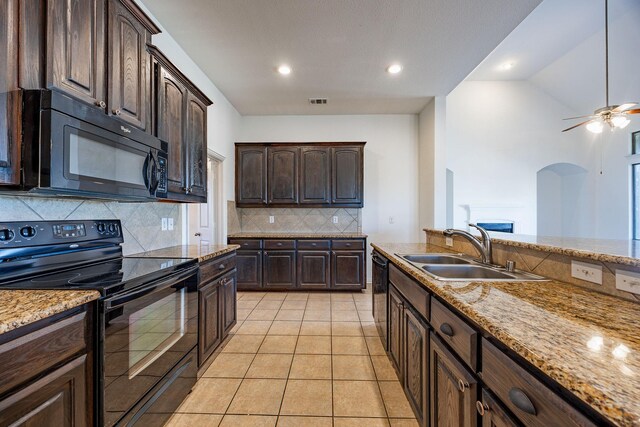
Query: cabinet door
(228, 299)
(453, 389)
(396, 316)
(315, 175)
(249, 264)
(492, 412)
(279, 269)
(416, 365)
(313, 269)
(346, 176)
(210, 332)
(251, 175)
(171, 111)
(75, 49)
(348, 269)
(60, 398)
(283, 175)
(196, 142)
(129, 66)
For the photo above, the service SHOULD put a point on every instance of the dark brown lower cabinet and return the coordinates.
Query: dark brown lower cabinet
(210, 335)
(228, 288)
(57, 399)
(453, 389)
(348, 269)
(492, 412)
(313, 269)
(396, 308)
(416, 365)
(279, 269)
(249, 269)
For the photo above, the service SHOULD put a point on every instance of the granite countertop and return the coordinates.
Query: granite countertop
(287, 235)
(199, 252)
(625, 252)
(587, 342)
(21, 307)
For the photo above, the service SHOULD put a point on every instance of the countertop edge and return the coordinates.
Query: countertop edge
(249, 235)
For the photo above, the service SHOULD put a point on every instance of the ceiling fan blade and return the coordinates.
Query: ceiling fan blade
(623, 107)
(636, 111)
(575, 126)
(579, 117)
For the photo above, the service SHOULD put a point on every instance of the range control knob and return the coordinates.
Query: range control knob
(6, 235)
(100, 227)
(112, 228)
(27, 231)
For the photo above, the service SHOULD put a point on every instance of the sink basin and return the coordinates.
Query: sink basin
(436, 259)
(465, 272)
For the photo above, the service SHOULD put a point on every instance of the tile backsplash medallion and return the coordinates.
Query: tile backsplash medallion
(300, 220)
(141, 222)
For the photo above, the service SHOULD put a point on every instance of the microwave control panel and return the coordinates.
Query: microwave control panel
(162, 176)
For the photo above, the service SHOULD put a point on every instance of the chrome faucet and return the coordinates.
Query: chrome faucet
(484, 246)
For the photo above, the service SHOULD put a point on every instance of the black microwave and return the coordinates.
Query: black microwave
(71, 148)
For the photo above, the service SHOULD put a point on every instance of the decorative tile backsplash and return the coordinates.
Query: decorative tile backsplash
(141, 222)
(299, 220)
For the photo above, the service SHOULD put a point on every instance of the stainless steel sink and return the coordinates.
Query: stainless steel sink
(436, 259)
(453, 267)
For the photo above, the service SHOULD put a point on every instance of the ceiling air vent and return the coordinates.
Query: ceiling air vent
(317, 101)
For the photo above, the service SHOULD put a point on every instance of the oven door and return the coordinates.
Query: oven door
(146, 332)
(85, 158)
(380, 285)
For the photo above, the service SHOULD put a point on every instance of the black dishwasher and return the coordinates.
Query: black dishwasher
(380, 285)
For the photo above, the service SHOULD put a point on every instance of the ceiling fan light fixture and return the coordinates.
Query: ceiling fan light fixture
(620, 121)
(595, 126)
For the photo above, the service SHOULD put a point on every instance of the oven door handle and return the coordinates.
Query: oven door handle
(378, 261)
(151, 288)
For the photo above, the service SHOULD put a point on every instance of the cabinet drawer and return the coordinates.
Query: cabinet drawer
(455, 332)
(313, 244)
(530, 400)
(413, 292)
(246, 244)
(348, 245)
(215, 267)
(32, 354)
(279, 244)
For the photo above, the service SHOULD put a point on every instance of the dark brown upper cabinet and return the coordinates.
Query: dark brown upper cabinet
(76, 49)
(321, 174)
(129, 63)
(180, 117)
(282, 182)
(251, 175)
(315, 175)
(10, 100)
(347, 177)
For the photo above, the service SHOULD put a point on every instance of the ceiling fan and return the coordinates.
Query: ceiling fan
(616, 116)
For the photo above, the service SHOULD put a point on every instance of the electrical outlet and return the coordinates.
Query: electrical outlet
(164, 224)
(170, 224)
(334, 219)
(392, 220)
(272, 219)
(448, 241)
(628, 281)
(585, 271)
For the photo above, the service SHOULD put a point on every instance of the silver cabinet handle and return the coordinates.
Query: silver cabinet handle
(462, 386)
(481, 408)
(101, 104)
(117, 111)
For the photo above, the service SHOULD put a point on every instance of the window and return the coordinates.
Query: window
(635, 185)
(635, 143)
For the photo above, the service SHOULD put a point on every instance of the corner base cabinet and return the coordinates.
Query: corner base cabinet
(217, 301)
(301, 264)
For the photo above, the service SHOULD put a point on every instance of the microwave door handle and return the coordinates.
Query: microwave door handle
(150, 289)
(145, 172)
(155, 179)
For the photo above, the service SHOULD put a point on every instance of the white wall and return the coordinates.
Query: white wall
(223, 120)
(499, 135)
(390, 169)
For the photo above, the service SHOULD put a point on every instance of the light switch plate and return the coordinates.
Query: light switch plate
(448, 241)
(170, 224)
(628, 281)
(334, 219)
(164, 224)
(272, 219)
(585, 271)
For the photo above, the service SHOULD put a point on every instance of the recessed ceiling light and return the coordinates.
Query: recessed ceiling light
(507, 66)
(394, 68)
(284, 69)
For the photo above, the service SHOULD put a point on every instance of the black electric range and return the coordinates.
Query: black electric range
(147, 331)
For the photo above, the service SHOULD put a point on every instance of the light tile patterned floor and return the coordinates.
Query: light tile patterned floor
(299, 359)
